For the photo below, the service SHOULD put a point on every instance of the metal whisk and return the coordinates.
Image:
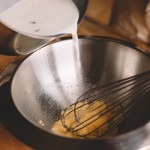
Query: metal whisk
(101, 111)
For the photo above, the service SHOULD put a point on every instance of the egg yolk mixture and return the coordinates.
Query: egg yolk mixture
(90, 120)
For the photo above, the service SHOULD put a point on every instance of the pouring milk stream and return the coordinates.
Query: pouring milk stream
(42, 18)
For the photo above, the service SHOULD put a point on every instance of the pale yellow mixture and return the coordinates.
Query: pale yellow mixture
(91, 112)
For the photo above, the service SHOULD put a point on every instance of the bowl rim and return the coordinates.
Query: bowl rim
(114, 139)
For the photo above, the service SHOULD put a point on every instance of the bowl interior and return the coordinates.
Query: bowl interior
(54, 77)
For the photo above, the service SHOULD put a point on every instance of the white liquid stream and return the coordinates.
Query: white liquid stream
(42, 18)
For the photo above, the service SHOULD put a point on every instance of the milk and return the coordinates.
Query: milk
(42, 18)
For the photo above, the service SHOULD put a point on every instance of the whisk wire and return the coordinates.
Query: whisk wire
(100, 98)
(120, 119)
(109, 86)
(113, 84)
(123, 116)
(120, 98)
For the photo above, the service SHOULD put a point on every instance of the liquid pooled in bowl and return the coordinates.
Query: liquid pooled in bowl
(92, 122)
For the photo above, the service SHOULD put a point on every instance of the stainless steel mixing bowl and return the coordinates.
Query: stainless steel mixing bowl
(52, 78)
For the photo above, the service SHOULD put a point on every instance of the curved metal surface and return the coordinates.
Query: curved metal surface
(52, 78)
(12, 43)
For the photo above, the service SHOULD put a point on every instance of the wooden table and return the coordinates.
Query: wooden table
(96, 12)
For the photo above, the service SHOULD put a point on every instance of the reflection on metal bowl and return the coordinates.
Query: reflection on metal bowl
(52, 78)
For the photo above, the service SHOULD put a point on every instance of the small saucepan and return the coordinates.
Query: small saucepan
(13, 43)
